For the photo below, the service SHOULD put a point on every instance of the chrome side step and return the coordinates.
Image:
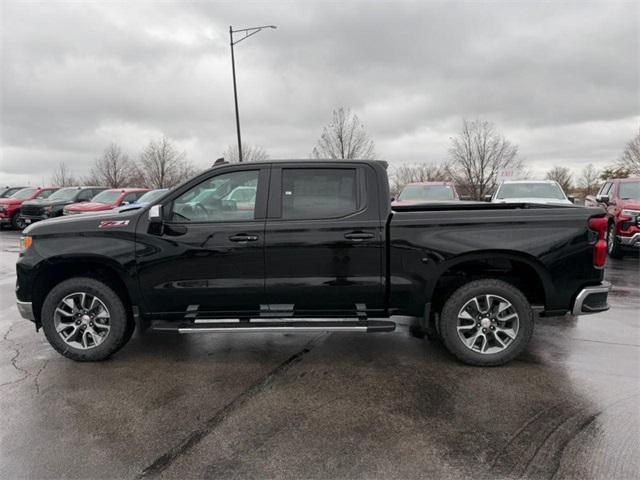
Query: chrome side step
(202, 326)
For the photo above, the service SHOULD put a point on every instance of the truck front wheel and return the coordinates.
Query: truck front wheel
(486, 322)
(613, 244)
(84, 320)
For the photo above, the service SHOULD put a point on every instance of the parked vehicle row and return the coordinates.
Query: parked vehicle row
(512, 191)
(10, 207)
(21, 206)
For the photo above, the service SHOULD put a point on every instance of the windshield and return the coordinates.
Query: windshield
(24, 193)
(151, 196)
(10, 191)
(530, 190)
(630, 190)
(64, 194)
(108, 196)
(427, 192)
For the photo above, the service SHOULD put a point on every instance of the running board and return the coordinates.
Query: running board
(262, 326)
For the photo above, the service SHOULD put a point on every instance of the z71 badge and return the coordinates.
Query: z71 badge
(113, 223)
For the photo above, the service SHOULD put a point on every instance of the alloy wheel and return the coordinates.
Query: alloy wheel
(488, 324)
(82, 320)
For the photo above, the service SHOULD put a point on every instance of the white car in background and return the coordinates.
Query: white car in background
(530, 191)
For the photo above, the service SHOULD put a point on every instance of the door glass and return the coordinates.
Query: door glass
(224, 198)
(309, 193)
(86, 195)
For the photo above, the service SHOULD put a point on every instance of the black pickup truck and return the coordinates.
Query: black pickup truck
(310, 245)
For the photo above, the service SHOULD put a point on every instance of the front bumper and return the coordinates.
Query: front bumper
(26, 310)
(632, 241)
(592, 299)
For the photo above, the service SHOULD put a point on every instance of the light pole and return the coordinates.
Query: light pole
(247, 33)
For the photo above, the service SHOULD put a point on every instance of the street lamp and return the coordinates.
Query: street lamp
(247, 33)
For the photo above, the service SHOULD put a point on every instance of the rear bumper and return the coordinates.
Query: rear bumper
(592, 299)
(26, 310)
(632, 241)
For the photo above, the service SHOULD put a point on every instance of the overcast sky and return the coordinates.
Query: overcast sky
(560, 79)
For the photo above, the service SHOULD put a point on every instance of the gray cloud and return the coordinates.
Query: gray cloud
(559, 79)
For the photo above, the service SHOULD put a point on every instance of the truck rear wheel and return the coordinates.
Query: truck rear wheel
(85, 320)
(486, 323)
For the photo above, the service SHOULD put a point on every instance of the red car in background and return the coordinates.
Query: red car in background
(10, 207)
(427, 192)
(621, 200)
(106, 200)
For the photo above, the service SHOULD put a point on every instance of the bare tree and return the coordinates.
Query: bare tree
(630, 160)
(563, 176)
(250, 153)
(589, 180)
(113, 169)
(163, 166)
(613, 171)
(477, 154)
(345, 138)
(62, 177)
(424, 172)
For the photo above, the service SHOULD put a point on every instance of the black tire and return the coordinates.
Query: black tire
(449, 322)
(119, 333)
(17, 222)
(613, 244)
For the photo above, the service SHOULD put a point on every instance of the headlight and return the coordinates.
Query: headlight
(25, 244)
(630, 213)
(48, 209)
(2, 209)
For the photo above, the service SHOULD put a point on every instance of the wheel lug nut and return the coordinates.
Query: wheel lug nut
(484, 330)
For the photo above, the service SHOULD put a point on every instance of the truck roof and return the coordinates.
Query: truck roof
(382, 163)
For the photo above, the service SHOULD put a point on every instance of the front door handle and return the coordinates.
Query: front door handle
(243, 237)
(358, 236)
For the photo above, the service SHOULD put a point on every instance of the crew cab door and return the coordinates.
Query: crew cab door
(323, 240)
(206, 259)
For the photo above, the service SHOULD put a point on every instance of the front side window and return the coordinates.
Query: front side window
(64, 194)
(224, 198)
(108, 197)
(131, 197)
(85, 195)
(605, 189)
(315, 193)
(45, 194)
(24, 194)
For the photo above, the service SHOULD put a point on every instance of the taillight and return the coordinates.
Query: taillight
(599, 225)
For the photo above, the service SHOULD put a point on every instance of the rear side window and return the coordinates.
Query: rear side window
(315, 193)
(131, 197)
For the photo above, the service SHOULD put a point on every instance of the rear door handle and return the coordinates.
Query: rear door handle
(243, 237)
(358, 236)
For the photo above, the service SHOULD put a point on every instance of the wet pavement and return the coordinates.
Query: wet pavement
(341, 405)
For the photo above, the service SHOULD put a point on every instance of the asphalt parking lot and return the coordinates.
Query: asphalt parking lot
(325, 405)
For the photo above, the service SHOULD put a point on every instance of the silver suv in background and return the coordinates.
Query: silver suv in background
(529, 191)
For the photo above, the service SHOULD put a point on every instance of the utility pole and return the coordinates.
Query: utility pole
(247, 33)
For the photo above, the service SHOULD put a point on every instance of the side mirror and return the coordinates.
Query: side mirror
(603, 199)
(393, 199)
(155, 214)
(487, 198)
